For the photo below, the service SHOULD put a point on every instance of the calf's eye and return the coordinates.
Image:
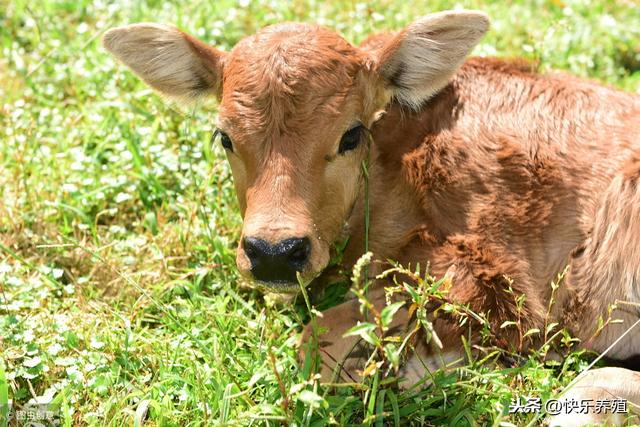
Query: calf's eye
(351, 139)
(224, 139)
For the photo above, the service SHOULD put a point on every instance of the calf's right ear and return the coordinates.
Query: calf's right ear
(174, 63)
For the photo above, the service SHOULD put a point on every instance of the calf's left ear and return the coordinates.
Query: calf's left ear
(170, 61)
(421, 59)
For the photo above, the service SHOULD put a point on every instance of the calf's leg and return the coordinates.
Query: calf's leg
(612, 386)
(344, 358)
(606, 271)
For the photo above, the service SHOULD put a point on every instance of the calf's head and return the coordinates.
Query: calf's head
(296, 102)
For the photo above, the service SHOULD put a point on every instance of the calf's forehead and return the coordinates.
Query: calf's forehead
(287, 73)
(288, 47)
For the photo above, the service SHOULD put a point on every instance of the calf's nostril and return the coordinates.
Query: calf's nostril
(252, 248)
(249, 250)
(300, 251)
(299, 255)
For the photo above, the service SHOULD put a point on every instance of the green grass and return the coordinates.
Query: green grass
(119, 299)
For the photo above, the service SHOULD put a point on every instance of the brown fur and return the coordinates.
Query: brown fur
(489, 171)
(504, 170)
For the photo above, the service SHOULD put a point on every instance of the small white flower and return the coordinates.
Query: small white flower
(70, 188)
(74, 373)
(14, 281)
(32, 362)
(77, 167)
(28, 336)
(146, 377)
(608, 21)
(123, 197)
(95, 344)
(54, 349)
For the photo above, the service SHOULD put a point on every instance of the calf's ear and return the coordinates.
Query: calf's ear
(421, 59)
(174, 63)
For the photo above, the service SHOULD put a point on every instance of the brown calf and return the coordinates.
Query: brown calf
(487, 170)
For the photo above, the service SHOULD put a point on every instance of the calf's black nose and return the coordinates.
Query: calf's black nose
(279, 262)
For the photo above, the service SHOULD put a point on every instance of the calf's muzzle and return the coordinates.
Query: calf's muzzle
(277, 263)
